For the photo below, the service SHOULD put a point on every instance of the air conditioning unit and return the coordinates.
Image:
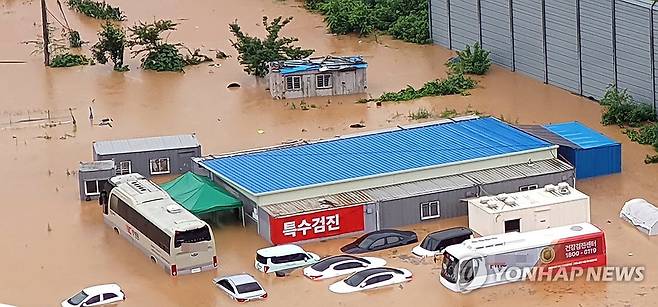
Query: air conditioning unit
(501, 197)
(549, 188)
(173, 209)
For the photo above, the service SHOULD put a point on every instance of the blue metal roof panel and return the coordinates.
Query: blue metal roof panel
(581, 135)
(371, 155)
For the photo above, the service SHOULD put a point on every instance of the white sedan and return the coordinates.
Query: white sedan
(241, 287)
(370, 279)
(335, 266)
(101, 295)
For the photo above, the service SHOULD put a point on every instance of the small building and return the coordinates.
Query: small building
(150, 156)
(93, 176)
(322, 76)
(590, 152)
(550, 206)
(381, 179)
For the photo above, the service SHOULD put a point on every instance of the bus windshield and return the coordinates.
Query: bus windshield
(192, 236)
(449, 268)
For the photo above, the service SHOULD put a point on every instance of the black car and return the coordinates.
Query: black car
(437, 241)
(378, 240)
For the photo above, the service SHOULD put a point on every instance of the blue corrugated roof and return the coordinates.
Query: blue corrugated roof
(372, 154)
(581, 135)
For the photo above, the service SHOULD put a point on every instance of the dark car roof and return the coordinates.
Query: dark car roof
(327, 262)
(450, 233)
(368, 272)
(386, 233)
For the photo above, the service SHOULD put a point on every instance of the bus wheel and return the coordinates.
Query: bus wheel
(153, 259)
(116, 230)
(280, 274)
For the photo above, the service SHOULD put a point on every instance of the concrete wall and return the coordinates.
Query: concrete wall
(579, 45)
(180, 160)
(343, 83)
(264, 225)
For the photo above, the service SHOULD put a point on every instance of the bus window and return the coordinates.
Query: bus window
(192, 236)
(467, 272)
(449, 268)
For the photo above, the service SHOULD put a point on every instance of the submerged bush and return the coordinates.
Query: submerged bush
(68, 60)
(95, 9)
(348, 16)
(456, 83)
(421, 113)
(411, 28)
(621, 109)
(647, 135)
(471, 60)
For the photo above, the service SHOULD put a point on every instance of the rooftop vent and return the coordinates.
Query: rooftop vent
(173, 209)
(510, 202)
(492, 204)
(563, 188)
(549, 188)
(484, 199)
(501, 196)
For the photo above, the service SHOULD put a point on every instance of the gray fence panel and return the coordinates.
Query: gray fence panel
(496, 36)
(439, 15)
(655, 52)
(562, 44)
(633, 57)
(528, 42)
(596, 46)
(465, 28)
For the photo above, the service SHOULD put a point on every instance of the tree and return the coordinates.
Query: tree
(160, 55)
(255, 53)
(110, 45)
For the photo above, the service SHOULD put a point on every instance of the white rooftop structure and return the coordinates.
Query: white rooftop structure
(549, 195)
(145, 144)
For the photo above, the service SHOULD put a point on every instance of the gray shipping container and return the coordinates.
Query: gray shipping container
(579, 45)
(150, 156)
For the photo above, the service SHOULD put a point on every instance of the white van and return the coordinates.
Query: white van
(283, 259)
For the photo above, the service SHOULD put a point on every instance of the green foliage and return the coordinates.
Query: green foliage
(646, 135)
(196, 58)
(348, 16)
(471, 60)
(421, 113)
(621, 109)
(68, 60)
(456, 83)
(651, 159)
(98, 10)
(448, 113)
(221, 55)
(255, 53)
(403, 19)
(110, 46)
(160, 55)
(74, 39)
(411, 28)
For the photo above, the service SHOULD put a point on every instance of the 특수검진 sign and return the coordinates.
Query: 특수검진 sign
(316, 225)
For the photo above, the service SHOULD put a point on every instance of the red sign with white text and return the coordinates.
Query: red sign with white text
(316, 225)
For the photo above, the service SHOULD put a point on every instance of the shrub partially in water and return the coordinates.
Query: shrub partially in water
(455, 83)
(621, 109)
(471, 60)
(98, 10)
(421, 113)
(110, 46)
(69, 60)
(348, 16)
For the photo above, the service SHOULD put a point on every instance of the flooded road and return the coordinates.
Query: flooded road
(53, 244)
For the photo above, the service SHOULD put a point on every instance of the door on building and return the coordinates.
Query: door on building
(513, 225)
(542, 219)
(347, 82)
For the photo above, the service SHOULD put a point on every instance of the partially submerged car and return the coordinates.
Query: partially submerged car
(335, 266)
(241, 287)
(380, 239)
(101, 295)
(434, 243)
(283, 259)
(370, 279)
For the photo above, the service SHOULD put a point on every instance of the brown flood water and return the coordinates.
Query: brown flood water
(53, 244)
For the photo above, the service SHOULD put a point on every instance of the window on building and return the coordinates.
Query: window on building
(429, 210)
(159, 166)
(124, 167)
(513, 225)
(293, 83)
(323, 81)
(91, 187)
(528, 187)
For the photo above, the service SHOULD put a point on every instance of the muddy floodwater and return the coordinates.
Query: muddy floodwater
(52, 244)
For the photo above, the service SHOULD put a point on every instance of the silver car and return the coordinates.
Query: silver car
(241, 287)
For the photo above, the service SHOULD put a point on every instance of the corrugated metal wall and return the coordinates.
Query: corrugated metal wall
(496, 31)
(596, 46)
(579, 45)
(467, 31)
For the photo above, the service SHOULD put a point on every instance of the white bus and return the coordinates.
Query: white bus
(170, 235)
(504, 258)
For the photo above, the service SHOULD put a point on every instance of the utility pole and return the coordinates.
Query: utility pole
(46, 40)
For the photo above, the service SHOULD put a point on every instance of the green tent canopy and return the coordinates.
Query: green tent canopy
(199, 194)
